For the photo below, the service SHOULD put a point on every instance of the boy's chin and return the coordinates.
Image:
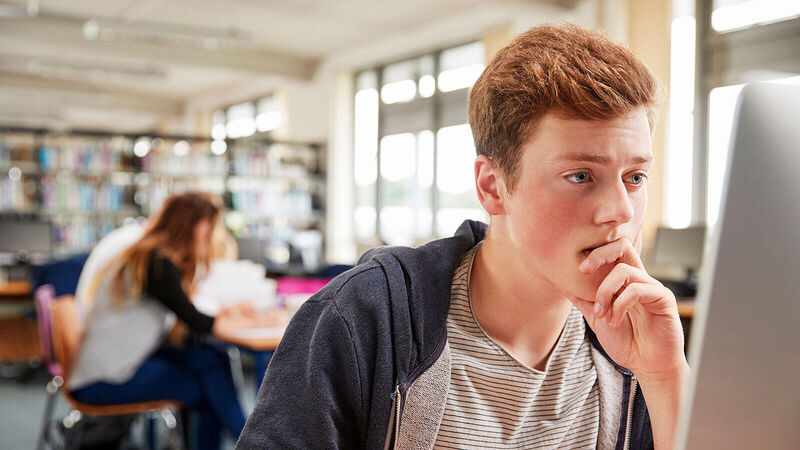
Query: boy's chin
(585, 287)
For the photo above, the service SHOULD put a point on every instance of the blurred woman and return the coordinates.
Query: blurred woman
(124, 356)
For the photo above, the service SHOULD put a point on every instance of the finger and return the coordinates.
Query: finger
(634, 293)
(620, 276)
(614, 282)
(620, 250)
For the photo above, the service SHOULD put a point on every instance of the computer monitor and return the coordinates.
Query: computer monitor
(744, 392)
(680, 247)
(24, 238)
(252, 249)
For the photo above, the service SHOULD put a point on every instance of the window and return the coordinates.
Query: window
(268, 116)
(739, 42)
(678, 192)
(721, 106)
(413, 149)
(365, 141)
(455, 181)
(242, 120)
(730, 15)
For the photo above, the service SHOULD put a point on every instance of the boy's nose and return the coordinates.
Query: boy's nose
(614, 205)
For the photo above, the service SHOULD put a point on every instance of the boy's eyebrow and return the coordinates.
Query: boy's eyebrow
(600, 159)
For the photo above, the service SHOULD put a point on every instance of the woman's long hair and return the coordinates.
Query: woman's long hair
(173, 234)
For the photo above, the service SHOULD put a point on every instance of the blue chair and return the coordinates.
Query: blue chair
(62, 274)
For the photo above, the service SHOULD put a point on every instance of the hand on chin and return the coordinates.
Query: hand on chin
(633, 315)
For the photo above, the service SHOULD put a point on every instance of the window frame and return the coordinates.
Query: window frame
(726, 58)
(436, 102)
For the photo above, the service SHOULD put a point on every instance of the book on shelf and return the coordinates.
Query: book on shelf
(88, 186)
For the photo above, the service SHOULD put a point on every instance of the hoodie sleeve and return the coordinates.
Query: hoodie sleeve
(311, 396)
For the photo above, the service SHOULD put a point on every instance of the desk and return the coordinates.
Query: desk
(15, 289)
(686, 307)
(19, 332)
(261, 347)
(260, 342)
(265, 335)
(267, 342)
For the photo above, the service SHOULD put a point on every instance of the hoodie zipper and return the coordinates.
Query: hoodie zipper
(629, 428)
(397, 399)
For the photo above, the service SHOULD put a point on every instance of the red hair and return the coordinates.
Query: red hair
(566, 69)
(172, 233)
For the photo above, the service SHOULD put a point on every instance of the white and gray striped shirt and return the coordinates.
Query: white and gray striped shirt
(494, 401)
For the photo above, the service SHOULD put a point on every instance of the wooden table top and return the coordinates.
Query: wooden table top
(686, 307)
(272, 323)
(15, 289)
(257, 344)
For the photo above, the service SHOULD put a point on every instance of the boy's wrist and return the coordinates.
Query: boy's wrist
(662, 392)
(678, 374)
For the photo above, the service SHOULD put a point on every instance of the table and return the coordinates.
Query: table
(15, 289)
(686, 307)
(19, 332)
(260, 342)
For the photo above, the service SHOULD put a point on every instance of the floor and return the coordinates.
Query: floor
(23, 398)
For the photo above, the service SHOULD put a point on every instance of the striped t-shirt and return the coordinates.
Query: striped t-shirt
(494, 401)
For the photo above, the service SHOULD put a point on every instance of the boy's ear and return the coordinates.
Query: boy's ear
(490, 186)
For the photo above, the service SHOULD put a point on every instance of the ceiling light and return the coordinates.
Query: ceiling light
(11, 11)
(219, 147)
(142, 147)
(218, 131)
(91, 30)
(181, 148)
(172, 36)
(15, 173)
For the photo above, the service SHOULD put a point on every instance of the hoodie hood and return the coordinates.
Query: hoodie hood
(420, 296)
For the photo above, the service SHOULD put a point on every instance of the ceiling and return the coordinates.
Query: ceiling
(126, 64)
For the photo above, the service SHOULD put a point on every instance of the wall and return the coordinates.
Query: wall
(321, 110)
(491, 23)
(648, 35)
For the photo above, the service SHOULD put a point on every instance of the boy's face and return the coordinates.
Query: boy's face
(581, 185)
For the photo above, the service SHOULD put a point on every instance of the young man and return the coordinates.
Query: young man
(543, 330)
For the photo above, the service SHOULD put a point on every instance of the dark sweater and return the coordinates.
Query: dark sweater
(360, 343)
(163, 283)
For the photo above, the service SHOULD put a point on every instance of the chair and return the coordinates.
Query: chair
(43, 296)
(65, 340)
(62, 274)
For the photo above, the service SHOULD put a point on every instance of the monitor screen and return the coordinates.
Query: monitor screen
(744, 344)
(34, 237)
(252, 249)
(679, 247)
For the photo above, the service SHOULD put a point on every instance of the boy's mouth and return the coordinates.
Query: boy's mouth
(585, 252)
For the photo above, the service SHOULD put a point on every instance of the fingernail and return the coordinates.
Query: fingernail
(585, 264)
(597, 307)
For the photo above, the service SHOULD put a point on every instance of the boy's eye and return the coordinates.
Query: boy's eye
(637, 179)
(579, 177)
